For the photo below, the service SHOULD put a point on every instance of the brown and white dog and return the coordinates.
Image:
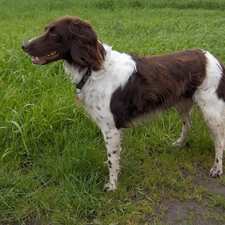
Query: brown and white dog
(119, 90)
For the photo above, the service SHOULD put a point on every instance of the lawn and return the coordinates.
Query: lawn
(52, 155)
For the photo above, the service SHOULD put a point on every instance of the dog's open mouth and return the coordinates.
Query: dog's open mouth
(45, 59)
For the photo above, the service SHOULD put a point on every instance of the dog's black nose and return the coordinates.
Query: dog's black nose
(25, 46)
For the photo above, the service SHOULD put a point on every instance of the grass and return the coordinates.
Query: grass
(52, 154)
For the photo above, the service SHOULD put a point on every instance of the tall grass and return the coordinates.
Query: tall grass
(52, 154)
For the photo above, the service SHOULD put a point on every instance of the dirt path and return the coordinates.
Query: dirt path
(193, 212)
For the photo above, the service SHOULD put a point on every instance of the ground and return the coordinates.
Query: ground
(193, 212)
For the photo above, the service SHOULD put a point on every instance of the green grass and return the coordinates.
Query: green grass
(52, 154)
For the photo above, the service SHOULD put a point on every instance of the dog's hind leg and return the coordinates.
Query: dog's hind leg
(210, 98)
(184, 108)
(112, 137)
(214, 115)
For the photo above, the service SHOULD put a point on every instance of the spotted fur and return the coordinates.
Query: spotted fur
(124, 89)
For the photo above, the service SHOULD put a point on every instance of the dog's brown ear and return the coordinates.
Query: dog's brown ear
(85, 48)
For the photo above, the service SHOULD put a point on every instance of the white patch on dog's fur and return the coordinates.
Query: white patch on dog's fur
(213, 109)
(97, 92)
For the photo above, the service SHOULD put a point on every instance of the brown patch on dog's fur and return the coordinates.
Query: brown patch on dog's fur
(158, 84)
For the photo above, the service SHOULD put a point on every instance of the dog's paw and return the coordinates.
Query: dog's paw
(110, 187)
(177, 144)
(215, 172)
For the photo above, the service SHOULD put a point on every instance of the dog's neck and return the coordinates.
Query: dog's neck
(84, 79)
(76, 73)
(80, 75)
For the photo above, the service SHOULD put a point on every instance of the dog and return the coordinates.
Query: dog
(119, 90)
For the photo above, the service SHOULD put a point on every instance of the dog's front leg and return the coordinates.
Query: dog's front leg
(112, 138)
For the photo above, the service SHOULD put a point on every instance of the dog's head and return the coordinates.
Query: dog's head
(68, 38)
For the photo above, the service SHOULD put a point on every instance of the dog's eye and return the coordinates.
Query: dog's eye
(52, 32)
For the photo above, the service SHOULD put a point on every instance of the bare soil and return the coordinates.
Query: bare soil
(193, 212)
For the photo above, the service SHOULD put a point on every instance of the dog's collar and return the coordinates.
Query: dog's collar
(84, 79)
